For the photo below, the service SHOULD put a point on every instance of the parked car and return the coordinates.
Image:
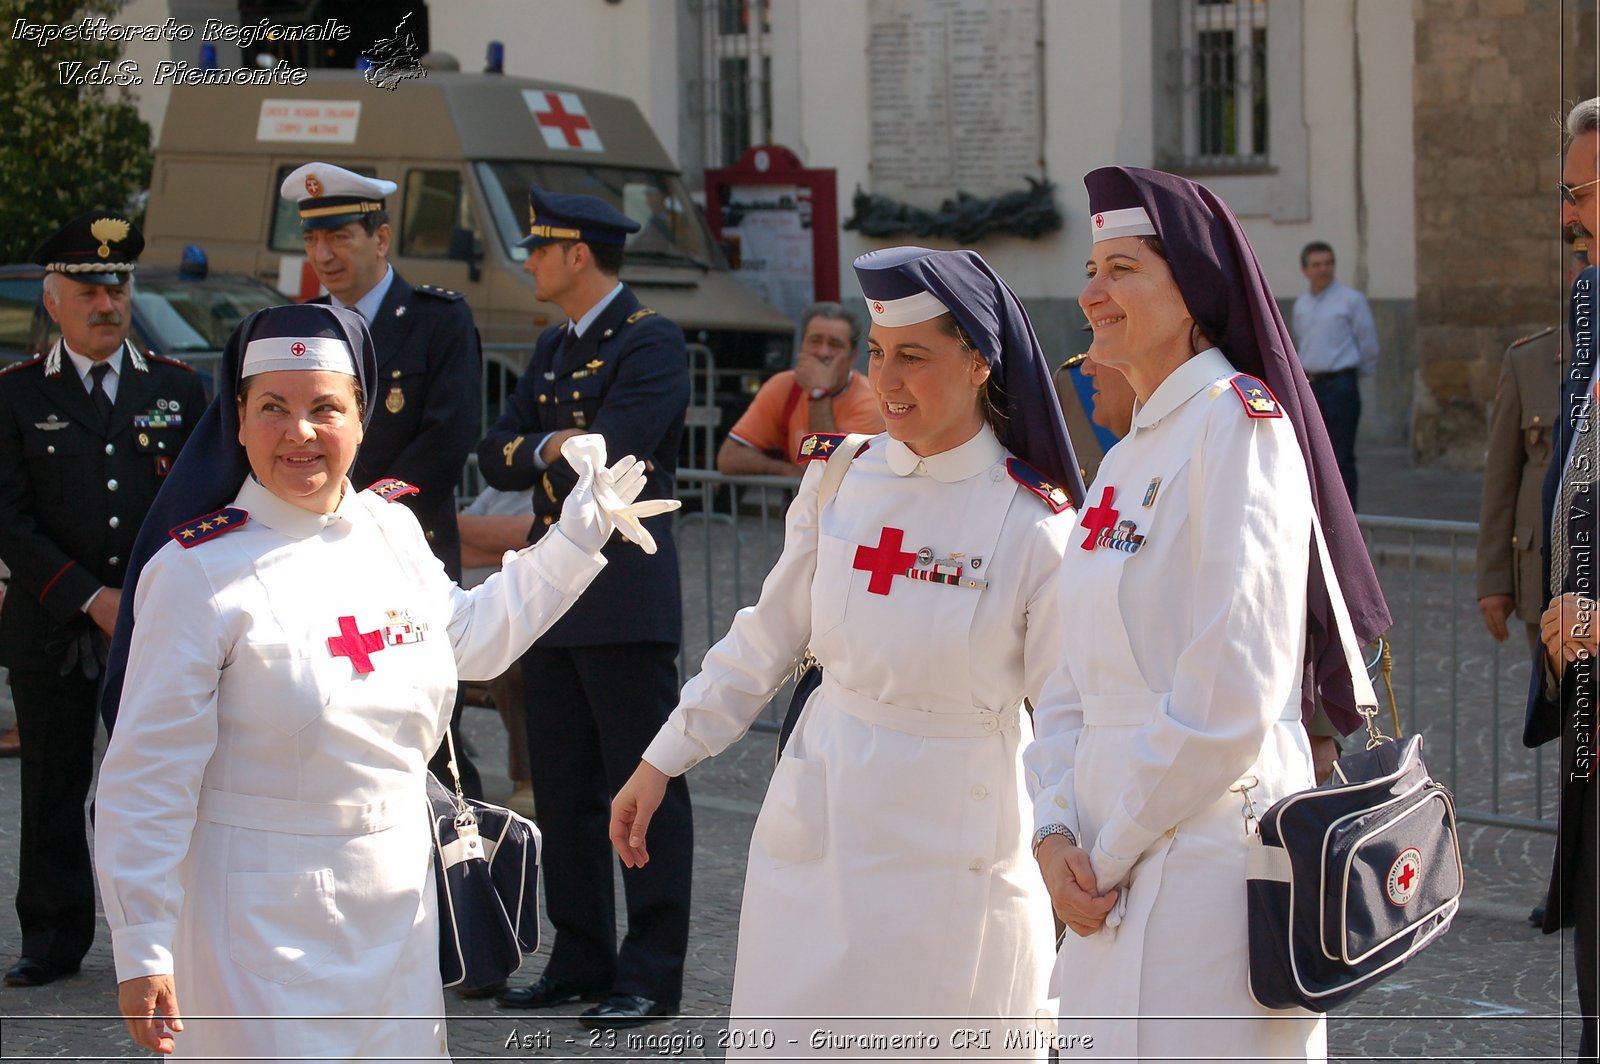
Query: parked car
(186, 314)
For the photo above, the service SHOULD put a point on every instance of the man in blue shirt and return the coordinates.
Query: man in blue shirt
(1338, 344)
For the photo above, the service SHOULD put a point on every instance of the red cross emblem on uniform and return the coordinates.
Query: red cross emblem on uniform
(1099, 221)
(1099, 519)
(884, 561)
(355, 644)
(877, 308)
(297, 349)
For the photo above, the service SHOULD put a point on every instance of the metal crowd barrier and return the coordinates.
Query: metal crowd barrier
(1453, 682)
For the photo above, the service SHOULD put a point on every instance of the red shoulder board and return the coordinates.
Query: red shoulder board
(1258, 398)
(34, 361)
(393, 488)
(210, 526)
(165, 361)
(819, 445)
(1053, 494)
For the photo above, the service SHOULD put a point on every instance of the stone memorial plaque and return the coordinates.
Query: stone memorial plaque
(955, 92)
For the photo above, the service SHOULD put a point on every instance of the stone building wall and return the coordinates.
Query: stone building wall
(1492, 81)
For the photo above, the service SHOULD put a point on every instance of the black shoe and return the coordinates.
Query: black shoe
(626, 1010)
(1536, 918)
(31, 972)
(547, 992)
(474, 993)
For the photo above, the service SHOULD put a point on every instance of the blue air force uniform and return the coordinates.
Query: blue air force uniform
(604, 678)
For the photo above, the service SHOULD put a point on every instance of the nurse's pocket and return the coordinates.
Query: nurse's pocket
(793, 824)
(281, 924)
(830, 587)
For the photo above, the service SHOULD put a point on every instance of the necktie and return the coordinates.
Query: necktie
(97, 390)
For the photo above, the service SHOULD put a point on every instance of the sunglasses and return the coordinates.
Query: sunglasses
(1569, 193)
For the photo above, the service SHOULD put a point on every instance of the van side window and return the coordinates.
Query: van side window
(434, 207)
(286, 214)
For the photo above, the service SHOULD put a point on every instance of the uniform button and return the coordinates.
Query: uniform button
(161, 445)
(980, 792)
(544, 398)
(430, 535)
(51, 449)
(1060, 801)
(1536, 419)
(114, 522)
(975, 865)
(576, 395)
(1171, 833)
(113, 560)
(990, 724)
(111, 485)
(111, 448)
(1513, 541)
(395, 375)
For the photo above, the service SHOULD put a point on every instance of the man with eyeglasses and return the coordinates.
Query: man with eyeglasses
(1338, 344)
(1563, 692)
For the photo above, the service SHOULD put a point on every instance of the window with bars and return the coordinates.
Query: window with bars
(1221, 68)
(737, 79)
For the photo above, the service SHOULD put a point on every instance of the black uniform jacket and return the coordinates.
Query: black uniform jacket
(428, 406)
(626, 378)
(74, 491)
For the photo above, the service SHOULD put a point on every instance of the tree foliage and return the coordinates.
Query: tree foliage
(66, 148)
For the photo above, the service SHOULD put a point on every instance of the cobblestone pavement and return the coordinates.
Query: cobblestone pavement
(1492, 989)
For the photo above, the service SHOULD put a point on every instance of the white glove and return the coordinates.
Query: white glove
(583, 520)
(611, 491)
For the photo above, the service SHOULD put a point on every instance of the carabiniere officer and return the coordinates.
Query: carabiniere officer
(87, 432)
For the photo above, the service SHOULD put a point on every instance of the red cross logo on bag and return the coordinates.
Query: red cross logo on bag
(1405, 875)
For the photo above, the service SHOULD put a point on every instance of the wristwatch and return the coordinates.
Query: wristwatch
(818, 394)
(1052, 829)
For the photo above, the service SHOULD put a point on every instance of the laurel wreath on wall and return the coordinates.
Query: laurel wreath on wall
(1029, 213)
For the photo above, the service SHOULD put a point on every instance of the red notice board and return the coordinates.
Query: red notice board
(779, 222)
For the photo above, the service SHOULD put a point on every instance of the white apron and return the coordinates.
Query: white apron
(1180, 678)
(261, 822)
(889, 874)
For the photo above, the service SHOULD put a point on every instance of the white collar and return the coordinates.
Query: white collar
(283, 516)
(82, 363)
(958, 463)
(367, 306)
(1181, 385)
(581, 326)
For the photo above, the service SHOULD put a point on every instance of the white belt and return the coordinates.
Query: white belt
(1128, 708)
(299, 818)
(974, 724)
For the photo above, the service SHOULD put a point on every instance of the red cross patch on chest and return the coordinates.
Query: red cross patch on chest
(1098, 518)
(885, 561)
(355, 644)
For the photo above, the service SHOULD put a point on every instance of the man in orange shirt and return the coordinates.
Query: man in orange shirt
(823, 393)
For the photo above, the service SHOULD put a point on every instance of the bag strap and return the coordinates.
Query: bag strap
(838, 465)
(1360, 683)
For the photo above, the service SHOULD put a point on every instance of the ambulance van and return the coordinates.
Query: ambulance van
(464, 148)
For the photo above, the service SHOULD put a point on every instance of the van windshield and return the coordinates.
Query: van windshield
(671, 230)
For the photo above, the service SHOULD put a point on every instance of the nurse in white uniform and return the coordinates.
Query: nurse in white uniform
(261, 831)
(1184, 604)
(890, 900)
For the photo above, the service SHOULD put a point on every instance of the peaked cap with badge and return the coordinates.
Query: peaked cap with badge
(330, 196)
(96, 247)
(554, 216)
